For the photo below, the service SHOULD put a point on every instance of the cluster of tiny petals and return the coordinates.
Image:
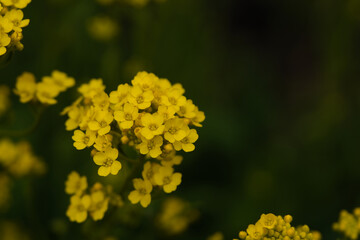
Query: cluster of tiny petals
(19, 159)
(45, 91)
(271, 227)
(348, 223)
(150, 115)
(11, 24)
(84, 202)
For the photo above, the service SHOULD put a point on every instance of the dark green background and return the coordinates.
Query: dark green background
(277, 80)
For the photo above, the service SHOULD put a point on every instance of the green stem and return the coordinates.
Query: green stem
(135, 168)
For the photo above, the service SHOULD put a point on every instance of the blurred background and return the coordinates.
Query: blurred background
(277, 80)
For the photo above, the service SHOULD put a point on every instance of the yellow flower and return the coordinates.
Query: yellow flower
(107, 161)
(119, 97)
(150, 168)
(60, 80)
(153, 125)
(102, 143)
(144, 80)
(126, 117)
(94, 87)
(169, 158)
(4, 41)
(75, 118)
(139, 98)
(16, 17)
(216, 236)
(46, 93)
(186, 143)
(101, 123)
(101, 101)
(25, 87)
(5, 25)
(188, 110)
(83, 140)
(141, 193)
(99, 205)
(166, 112)
(16, 3)
(255, 231)
(268, 220)
(168, 179)
(75, 184)
(77, 211)
(151, 147)
(175, 130)
(174, 99)
(199, 117)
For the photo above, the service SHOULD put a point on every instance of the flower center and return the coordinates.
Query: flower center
(172, 130)
(140, 99)
(128, 117)
(103, 124)
(142, 191)
(153, 127)
(108, 162)
(166, 180)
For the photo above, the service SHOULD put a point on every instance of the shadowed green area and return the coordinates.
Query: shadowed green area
(277, 80)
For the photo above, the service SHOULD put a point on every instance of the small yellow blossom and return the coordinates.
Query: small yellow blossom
(60, 80)
(101, 123)
(16, 17)
(102, 143)
(268, 220)
(144, 80)
(139, 98)
(107, 161)
(46, 93)
(99, 205)
(255, 231)
(126, 117)
(141, 193)
(153, 125)
(119, 97)
(150, 169)
(94, 87)
(75, 184)
(78, 209)
(186, 143)
(175, 130)
(16, 3)
(25, 87)
(151, 147)
(166, 178)
(83, 140)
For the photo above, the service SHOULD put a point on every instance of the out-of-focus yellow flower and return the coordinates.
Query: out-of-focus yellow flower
(348, 224)
(268, 220)
(186, 143)
(12, 231)
(78, 209)
(94, 87)
(60, 80)
(99, 205)
(141, 193)
(107, 162)
(175, 216)
(150, 169)
(46, 93)
(103, 28)
(75, 184)
(166, 178)
(25, 87)
(18, 159)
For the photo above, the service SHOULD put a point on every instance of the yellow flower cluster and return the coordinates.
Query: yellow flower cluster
(175, 216)
(11, 24)
(82, 203)
(151, 115)
(45, 91)
(349, 224)
(4, 99)
(271, 227)
(19, 159)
